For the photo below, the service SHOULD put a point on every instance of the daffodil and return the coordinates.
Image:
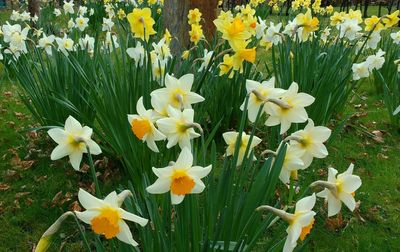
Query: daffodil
(205, 60)
(360, 70)
(373, 23)
(141, 23)
(339, 188)
(106, 217)
(226, 66)
(289, 109)
(300, 222)
(234, 31)
(311, 139)
(273, 34)
(180, 178)
(194, 16)
(142, 126)
(81, 23)
(179, 127)
(137, 53)
(260, 94)
(307, 24)
(231, 138)
(396, 37)
(73, 141)
(375, 61)
(291, 164)
(65, 44)
(196, 33)
(177, 92)
(392, 19)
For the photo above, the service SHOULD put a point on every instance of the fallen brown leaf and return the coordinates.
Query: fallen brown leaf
(4, 187)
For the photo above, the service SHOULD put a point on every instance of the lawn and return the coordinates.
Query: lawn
(35, 191)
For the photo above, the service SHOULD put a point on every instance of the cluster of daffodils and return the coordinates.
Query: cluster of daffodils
(238, 30)
(340, 188)
(196, 31)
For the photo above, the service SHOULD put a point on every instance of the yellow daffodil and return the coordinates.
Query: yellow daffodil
(142, 126)
(337, 18)
(234, 31)
(307, 24)
(121, 14)
(391, 20)
(167, 37)
(226, 66)
(194, 16)
(196, 33)
(73, 141)
(339, 188)
(300, 222)
(180, 178)
(230, 139)
(141, 23)
(373, 23)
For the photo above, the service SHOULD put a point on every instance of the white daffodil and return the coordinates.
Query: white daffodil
(206, 59)
(349, 28)
(397, 62)
(73, 141)
(375, 61)
(290, 29)
(178, 127)
(65, 45)
(291, 110)
(180, 178)
(260, 28)
(46, 42)
(137, 53)
(158, 70)
(81, 23)
(16, 36)
(230, 139)
(25, 16)
(396, 37)
(300, 222)
(68, 7)
(177, 92)
(15, 16)
(260, 94)
(142, 126)
(162, 49)
(82, 10)
(107, 24)
(360, 70)
(338, 189)
(110, 42)
(57, 12)
(291, 164)
(325, 34)
(373, 40)
(87, 43)
(311, 139)
(107, 218)
(273, 34)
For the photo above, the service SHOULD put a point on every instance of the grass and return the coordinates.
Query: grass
(35, 191)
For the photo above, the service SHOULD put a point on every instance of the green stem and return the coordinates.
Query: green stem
(85, 241)
(291, 192)
(93, 171)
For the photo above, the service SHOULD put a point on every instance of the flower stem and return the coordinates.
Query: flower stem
(93, 171)
(85, 241)
(291, 192)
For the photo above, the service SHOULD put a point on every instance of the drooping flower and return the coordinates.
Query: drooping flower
(311, 139)
(291, 164)
(300, 222)
(360, 70)
(231, 138)
(376, 61)
(291, 110)
(179, 127)
(73, 141)
(273, 34)
(137, 53)
(107, 218)
(180, 178)
(177, 92)
(141, 23)
(339, 188)
(142, 125)
(46, 42)
(206, 59)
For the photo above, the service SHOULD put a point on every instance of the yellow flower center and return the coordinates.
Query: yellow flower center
(76, 143)
(236, 27)
(106, 223)
(177, 97)
(181, 184)
(140, 127)
(306, 230)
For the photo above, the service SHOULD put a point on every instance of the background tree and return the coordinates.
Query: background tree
(33, 7)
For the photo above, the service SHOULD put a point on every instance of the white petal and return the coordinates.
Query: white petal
(75, 158)
(93, 147)
(72, 125)
(89, 201)
(198, 187)
(199, 172)
(306, 203)
(112, 199)
(162, 185)
(88, 215)
(334, 205)
(186, 81)
(351, 183)
(60, 151)
(125, 234)
(348, 200)
(185, 159)
(176, 199)
(58, 135)
(133, 217)
(140, 107)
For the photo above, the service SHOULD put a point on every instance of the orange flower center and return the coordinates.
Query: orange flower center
(236, 27)
(140, 127)
(253, 25)
(181, 184)
(106, 223)
(306, 230)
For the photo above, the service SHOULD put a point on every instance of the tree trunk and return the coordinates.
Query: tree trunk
(366, 8)
(175, 20)
(33, 7)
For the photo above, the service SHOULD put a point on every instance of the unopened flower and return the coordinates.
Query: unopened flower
(300, 222)
(339, 188)
(231, 139)
(180, 178)
(73, 141)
